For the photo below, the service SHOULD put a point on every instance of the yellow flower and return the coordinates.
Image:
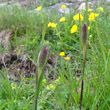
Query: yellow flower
(100, 8)
(62, 54)
(49, 25)
(92, 16)
(62, 19)
(78, 16)
(63, 6)
(52, 24)
(89, 10)
(67, 58)
(73, 29)
(39, 8)
(89, 27)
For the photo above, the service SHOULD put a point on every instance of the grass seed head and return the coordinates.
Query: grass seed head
(43, 56)
(84, 33)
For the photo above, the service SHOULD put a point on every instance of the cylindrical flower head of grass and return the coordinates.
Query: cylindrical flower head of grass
(62, 19)
(63, 6)
(84, 41)
(39, 71)
(78, 17)
(43, 56)
(39, 8)
(74, 29)
(84, 33)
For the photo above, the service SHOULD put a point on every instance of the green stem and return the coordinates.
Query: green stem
(80, 33)
(43, 33)
(82, 82)
(87, 11)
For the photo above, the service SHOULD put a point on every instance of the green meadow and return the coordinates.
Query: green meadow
(60, 87)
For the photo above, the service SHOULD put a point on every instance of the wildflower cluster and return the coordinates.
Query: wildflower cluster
(63, 54)
(75, 23)
(100, 8)
(78, 17)
(92, 16)
(52, 24)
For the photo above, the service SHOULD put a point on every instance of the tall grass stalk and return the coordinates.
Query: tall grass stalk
(42, 58)
(87, 11)
(84, 41)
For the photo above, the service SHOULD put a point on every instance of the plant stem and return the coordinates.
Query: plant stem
(82, 82)
(36, 88)
(87, 11)
(81, 97)
(36, 104)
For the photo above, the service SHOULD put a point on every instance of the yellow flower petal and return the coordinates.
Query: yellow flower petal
(62, 19)
(67, 58)
(52, 24)
(92, 16)
(39, 8)
(73, 29)
(100, 8)
(89, 27)
(49, 25)
(89, 10)
(62, 54)
(63, 6)
(78, 16)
